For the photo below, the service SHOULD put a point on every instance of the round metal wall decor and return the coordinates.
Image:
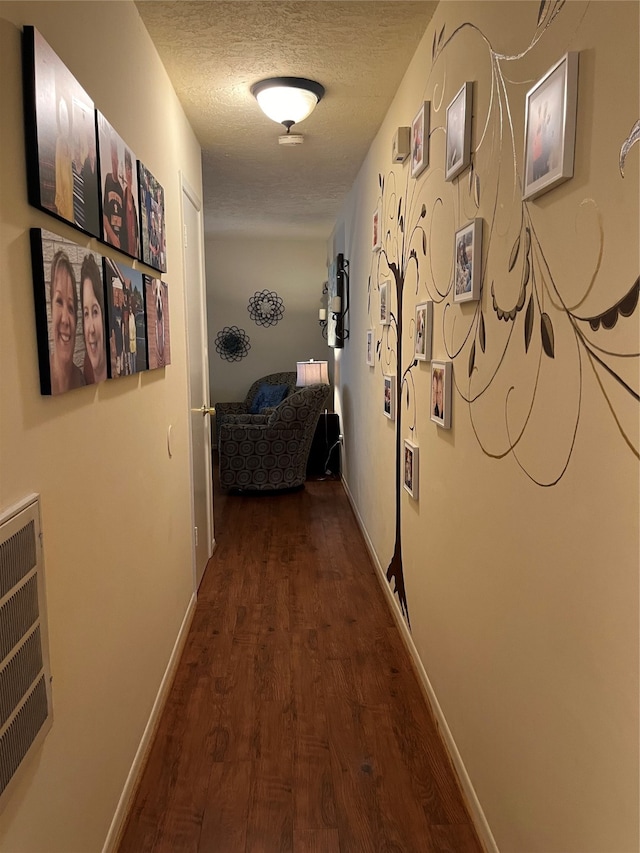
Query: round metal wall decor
(232, 343)
(266, 308)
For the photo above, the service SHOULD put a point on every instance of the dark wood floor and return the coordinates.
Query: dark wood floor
(295, 723)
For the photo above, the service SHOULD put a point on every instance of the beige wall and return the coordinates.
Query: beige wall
(115, 507)
(523, 598)
(238, 266)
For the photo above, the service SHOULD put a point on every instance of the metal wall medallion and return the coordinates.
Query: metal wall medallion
(266, 308)
(232, 343)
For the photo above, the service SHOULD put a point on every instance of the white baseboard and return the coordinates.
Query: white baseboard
(139, 761)
(477, 814)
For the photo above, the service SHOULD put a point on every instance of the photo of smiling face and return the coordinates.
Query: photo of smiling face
(64, 315)
(95, 369)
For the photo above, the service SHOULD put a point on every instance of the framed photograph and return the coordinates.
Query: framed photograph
(120, 191)
(441, 393)
(70, 318)
(420, 140)
(127, 319)
(376, 233)
(60, 124)
(157, 313)
(389, 396)
(371, 348)
(411, 468)
(467, 268)
(152, 226)
(424, 331)
(550, 128)
(458, 146)
(385, 312)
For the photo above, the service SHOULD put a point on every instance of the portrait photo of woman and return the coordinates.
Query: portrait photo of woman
(93, 321)
(60, 341)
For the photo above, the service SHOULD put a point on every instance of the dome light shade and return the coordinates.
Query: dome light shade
(287, 100)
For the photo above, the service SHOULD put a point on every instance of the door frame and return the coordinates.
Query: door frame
(187, 190)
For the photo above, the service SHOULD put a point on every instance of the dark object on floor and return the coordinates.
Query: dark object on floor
(324, 456)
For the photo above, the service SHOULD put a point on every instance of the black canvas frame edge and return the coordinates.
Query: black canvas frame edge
(40, 305)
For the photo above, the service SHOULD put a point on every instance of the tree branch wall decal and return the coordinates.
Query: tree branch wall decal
(525, 314)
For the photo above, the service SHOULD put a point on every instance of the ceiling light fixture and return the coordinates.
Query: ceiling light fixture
(287, 100)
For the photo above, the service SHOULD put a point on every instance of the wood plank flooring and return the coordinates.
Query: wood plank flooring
(295, 723)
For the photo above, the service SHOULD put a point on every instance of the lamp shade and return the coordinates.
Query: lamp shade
(287, 100)
(312, 373)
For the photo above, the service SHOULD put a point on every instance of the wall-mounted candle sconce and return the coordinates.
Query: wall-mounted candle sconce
(336, 291)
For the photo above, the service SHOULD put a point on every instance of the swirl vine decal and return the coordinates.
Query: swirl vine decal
(528, 339)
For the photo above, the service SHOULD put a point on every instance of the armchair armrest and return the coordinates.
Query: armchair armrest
(251, 420)
(225, 409)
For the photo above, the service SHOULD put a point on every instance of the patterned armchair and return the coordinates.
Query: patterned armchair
(270, 451)
(224, 410)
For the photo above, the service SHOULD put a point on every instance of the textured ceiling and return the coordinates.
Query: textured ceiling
(213, 52)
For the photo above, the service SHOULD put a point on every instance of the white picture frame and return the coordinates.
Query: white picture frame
(376, 230)
(411, 468)
(424, 331)
(420, 128)
(440, 399)
(385, 312)
(550, 128)
(458, 135)
(370, 348)
(389, 399)
(467, 262)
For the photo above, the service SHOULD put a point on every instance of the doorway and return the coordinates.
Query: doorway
(198, 366)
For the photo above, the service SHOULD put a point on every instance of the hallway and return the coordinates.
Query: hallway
(295, 722)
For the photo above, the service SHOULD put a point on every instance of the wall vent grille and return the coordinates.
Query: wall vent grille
(25, 680)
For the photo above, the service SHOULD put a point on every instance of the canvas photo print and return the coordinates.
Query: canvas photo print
(120, 192)
(152, 225)
(157, 311)
(70, 317)
(61, 138)
(127, 319)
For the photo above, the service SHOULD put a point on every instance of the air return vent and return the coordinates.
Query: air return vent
(25, 681)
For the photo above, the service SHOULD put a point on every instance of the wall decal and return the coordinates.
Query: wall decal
(524, 310)
(232, 343)
(266, 308)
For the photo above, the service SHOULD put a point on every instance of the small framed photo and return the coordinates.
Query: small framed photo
(441, 393)
(152, 227)
(550, 128)
(467, 268)
(157, 315)
(376, 225)
(424, 331)
(385, 312)
(390, 396)
(120, 191)
(458, 148)
(370, 348)
(411, 468)
(420, 127)
(60, 121)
